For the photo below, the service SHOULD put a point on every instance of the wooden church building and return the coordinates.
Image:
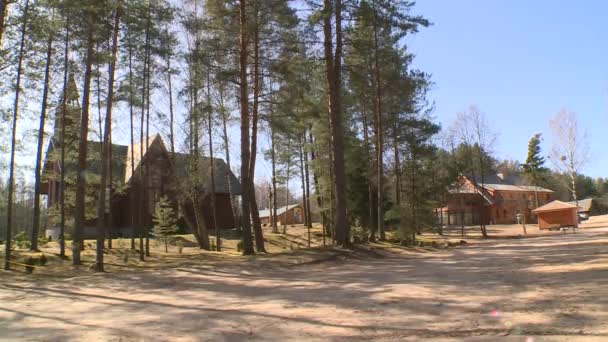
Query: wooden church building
(141, 174)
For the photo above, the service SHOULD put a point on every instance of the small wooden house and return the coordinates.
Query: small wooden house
(290, 214)
(557, 214)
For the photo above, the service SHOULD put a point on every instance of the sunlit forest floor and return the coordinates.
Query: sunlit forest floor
(543, 288)
(123, 258)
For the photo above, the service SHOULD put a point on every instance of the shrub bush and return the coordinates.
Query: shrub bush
(21, 240)
(42, 241)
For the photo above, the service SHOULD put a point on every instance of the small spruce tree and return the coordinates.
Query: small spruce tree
(165, 223)
(534, 168)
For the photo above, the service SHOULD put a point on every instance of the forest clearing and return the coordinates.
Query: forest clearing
(547, 288)
(308, 170)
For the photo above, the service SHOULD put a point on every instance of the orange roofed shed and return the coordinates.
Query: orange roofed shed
(557, 214)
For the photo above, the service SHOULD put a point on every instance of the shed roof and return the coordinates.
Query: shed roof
(554, 206)
(280, 211)
(584, 205)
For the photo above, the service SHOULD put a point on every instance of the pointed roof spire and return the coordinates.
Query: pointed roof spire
(71, 91)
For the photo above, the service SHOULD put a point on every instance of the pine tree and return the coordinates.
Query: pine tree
(245, 127)
(534, 167)
(90, 17)
(106, 154)
(333, 74)
(45, 96)
(165, 222)
(11, 180)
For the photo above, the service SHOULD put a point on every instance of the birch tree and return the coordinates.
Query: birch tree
(570, 149)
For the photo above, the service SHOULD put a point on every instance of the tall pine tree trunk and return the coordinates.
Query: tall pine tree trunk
(333, 65)
(307, 181)
(397, 166)
(149, 206)
(227, 153)
(315, 179)
(171, 109)
(79, 220)
(11, 180)
(255, 214)
(373, 222)
(45, 95)
(106, 153)
(286, 195)
(273, 158)
(110, 231)
(142, 210)
(303, 179)
(218, 240)
(64, 101)
(244, 107)
(132, 156)
(3, 10)
(379, 131)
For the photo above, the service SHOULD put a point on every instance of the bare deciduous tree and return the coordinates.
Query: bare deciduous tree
(473, 130)
(570, 150)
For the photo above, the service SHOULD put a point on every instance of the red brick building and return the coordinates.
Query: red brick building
(498, 200)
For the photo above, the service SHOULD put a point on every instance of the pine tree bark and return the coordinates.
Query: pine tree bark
(373, 222)
(79, 220)
(110, 230)
(333, 66)
(315, 179)
(143, 210)
(148, 205)
(106, 153)
(379, 131)
(171, 110)
(286, 194)
(273, 157)
(307, 181)
(63, 116)
(11, 180)
(3, 11)
(255, 214)
(244, 108)
(227, 153)
(45, 95)
(132, 129)
(303, 179)
(397, 166)
(218, 240)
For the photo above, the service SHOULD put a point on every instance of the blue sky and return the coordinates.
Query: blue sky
(520, 62)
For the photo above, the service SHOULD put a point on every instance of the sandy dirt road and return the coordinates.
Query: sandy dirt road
(549, 288)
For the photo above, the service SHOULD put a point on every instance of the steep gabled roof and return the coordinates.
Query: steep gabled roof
(220, 173)
(121, 164)
(93, 159)
(137, 148)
